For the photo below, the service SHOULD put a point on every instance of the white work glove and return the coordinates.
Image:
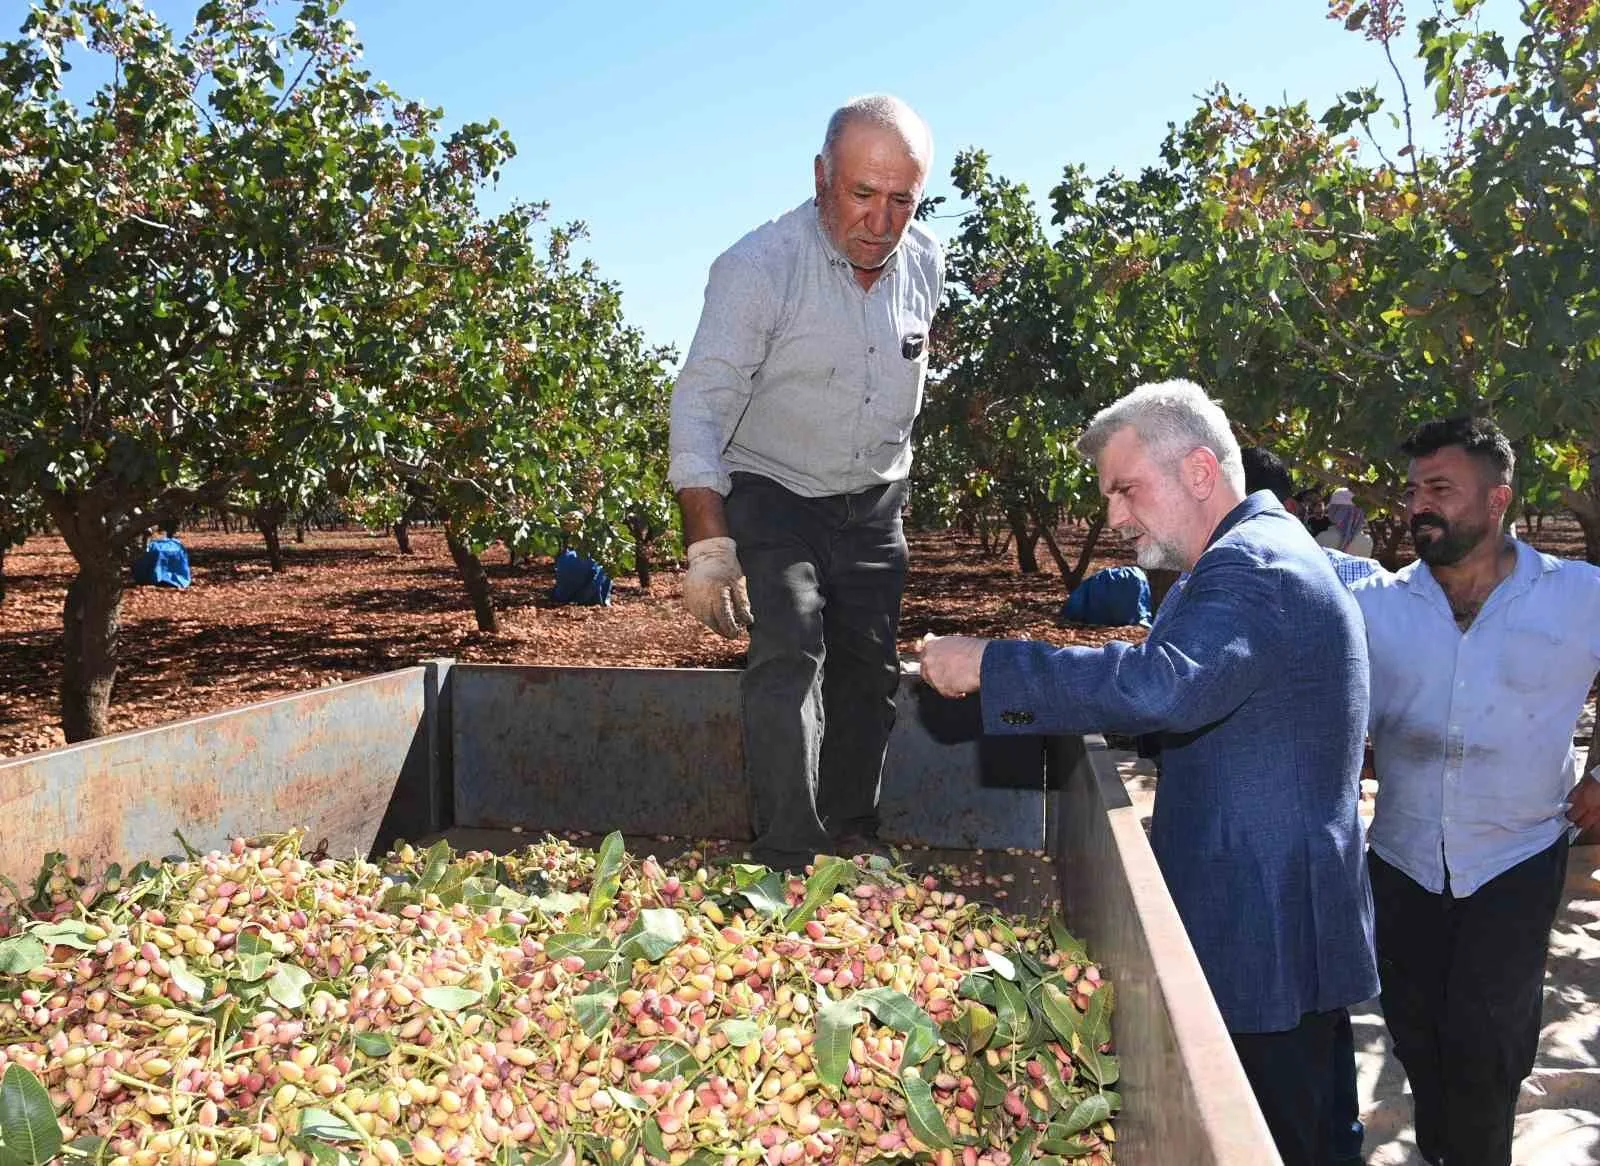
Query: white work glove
(715, 592)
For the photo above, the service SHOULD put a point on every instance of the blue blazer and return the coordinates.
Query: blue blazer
(1256, 684)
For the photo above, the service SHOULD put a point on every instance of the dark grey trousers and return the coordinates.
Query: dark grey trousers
(825, 577)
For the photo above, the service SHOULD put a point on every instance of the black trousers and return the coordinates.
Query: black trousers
(1345, 1129)
(825, 577)
(1290, 1073)
(1463, 983)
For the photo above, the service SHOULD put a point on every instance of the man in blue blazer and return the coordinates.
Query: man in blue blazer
(1256, 684)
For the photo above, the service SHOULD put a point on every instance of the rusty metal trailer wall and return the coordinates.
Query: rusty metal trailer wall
(345, 763)
(659, 751)
(414, 752)
(1186, 1096)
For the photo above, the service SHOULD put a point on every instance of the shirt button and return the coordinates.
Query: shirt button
(872, 348)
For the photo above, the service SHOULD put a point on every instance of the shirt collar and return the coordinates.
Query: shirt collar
(836, 259)
(1417, 578)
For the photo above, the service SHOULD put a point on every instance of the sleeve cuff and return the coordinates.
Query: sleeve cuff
(685, 475)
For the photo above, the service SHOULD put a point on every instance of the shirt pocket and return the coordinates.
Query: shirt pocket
(1535, 657)
(906, 373)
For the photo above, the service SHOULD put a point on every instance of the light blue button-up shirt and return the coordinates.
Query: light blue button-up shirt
(798, 374)
(1472, 731)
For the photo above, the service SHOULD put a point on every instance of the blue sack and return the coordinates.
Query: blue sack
(580, 580)
(1115, 597)
(163, 563)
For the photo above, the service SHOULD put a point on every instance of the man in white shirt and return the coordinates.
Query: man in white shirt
(1482, 656)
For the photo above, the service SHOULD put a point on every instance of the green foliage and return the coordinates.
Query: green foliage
(536, 419)
(1332, 294)
(245, 272)
(28, 1130)
(1006, 391)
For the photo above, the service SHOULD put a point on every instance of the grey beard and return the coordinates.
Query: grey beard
(1156, 555)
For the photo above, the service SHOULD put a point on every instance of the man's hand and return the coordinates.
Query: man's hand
(953, 665)
(1583, 805)
(715, 591)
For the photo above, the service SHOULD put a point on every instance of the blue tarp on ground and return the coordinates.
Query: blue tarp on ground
(1115, 597)
(580, 580)
(163, 563)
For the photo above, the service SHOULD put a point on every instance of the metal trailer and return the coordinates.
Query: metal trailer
(472, 751)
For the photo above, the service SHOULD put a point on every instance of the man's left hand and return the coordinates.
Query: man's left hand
(953, 665)
(1583, 804)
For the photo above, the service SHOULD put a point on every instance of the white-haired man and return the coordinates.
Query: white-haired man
(1256, 683)
(791, 445)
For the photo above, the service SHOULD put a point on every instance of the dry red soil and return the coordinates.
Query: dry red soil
(348, 604)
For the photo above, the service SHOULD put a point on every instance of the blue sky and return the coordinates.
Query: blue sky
(672, 129)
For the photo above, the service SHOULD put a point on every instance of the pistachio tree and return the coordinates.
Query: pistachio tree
(229, 229)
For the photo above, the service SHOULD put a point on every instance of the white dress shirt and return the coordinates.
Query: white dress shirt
(1472, 731)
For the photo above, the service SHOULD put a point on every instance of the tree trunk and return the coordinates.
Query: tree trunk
(641, 563)
(402, 535)
(1591, 536)
(1045, 532)
(643, 536)
(985, 533)
(474, 579)
(2, 573)
(92, 619)
(300, 530)
(1388, 539)
(1027, 541)
(1091, 539)
(1593, 760)
(268, 520)
(1586, 505)
(91, 616)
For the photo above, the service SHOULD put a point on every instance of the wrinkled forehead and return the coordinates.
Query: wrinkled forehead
(1125, 458)
(863, 143)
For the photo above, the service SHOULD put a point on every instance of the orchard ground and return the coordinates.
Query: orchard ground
(348, 605)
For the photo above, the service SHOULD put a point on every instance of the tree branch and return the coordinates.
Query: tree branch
(1405, 101)
(1327, 309)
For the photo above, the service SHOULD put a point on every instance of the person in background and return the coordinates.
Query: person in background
(1257, 682)
(1313, 510)
(790, 448)
(1483, 652)
(1264, 470)
(1347, 526)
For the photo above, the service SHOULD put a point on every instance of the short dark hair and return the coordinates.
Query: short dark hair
(1264, 470)
(1478, 436)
